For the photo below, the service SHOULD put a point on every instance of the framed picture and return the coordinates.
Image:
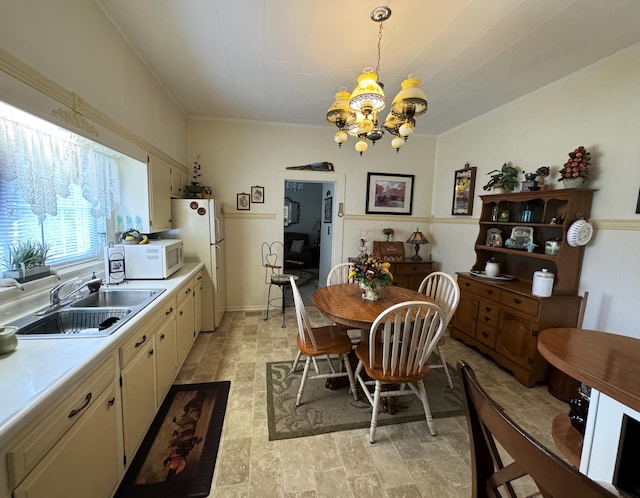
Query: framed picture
(464, 183)
(257, 194)
(389, 194)
(327, 205)
(243, 202)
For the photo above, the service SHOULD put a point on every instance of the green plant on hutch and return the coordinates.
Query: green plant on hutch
(26, 260)
(504, 178)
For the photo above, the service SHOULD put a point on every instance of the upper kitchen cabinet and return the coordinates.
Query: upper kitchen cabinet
(178, 177)
(145, 196)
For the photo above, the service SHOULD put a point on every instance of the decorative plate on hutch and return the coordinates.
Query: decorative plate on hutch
(579, 233)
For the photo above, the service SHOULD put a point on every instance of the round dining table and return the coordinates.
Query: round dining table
(344, 304)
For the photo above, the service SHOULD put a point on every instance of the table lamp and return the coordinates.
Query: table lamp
(417, 238)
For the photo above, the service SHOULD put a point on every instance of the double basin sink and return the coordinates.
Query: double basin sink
(99, 314)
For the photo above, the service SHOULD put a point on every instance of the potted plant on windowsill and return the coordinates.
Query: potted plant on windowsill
(26, 261)
(504, 178)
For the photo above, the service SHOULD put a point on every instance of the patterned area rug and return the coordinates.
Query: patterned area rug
(323, 410)
(178, 455)
(305, 277)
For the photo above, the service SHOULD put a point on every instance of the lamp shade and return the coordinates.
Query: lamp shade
(339, 113)
(367, 96)
(417, 237)
(411, 100)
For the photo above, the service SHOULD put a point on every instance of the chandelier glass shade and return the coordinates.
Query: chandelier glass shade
(357, 113)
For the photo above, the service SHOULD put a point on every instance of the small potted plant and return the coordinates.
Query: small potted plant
(196, 188)
(542, 172)
(504, 178)
(26, 261)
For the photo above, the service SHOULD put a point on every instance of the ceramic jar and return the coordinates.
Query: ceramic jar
(8, 339)
(492, 268)
(542, 285)
(552, 246)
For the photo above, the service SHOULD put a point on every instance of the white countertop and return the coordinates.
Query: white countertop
(39, 371)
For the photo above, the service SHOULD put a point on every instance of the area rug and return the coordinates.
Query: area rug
(177, 456)
(324, 410)
(305, 277)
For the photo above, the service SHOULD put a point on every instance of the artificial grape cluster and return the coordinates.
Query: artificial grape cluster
(578, 164)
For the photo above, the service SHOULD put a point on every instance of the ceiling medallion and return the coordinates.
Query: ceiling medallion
(357, 113)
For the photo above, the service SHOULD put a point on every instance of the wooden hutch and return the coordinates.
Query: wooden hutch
(501, 318)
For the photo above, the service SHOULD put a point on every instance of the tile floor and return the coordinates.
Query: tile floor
(405, 461)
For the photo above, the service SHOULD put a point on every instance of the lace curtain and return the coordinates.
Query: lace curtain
(43, 160)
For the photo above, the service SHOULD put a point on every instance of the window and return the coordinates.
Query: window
(74, 235)
(55, 187)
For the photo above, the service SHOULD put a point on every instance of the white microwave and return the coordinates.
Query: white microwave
(154, 260)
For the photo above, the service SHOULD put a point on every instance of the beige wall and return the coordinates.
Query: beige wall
(237, 155)
(72, 43)
(597, 108)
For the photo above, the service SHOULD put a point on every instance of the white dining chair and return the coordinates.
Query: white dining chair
(444, 290)
(339, 274)
(325, 342)
(400, 340)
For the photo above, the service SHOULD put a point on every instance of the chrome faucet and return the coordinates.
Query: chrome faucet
(93, 284)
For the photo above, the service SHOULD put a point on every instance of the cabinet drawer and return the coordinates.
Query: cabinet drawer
(488, 313)
(521, 303)
(129, 349)
(486, 334)
(480, 289)
(185, 291)
(33, 443)
(411, 268)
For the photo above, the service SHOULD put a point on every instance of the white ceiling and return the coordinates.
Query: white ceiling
(283, 60)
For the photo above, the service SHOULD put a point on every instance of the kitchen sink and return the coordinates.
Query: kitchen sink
(99, 314)
(117, 298)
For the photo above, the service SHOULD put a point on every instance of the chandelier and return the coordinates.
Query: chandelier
(358, 113)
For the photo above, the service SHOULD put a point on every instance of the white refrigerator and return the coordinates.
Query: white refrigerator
(200, 225)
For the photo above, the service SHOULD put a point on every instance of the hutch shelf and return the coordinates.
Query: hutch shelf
(501, 318)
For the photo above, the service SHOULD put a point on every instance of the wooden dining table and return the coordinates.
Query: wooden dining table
(344, 304)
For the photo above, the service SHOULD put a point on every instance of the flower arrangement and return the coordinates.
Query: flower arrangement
(371, 272)
(196, 171)
(388, 232)
(577, 166)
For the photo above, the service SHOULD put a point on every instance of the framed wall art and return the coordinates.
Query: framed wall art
(464, 184)
(389, 194)
(257, 194)
(243, 202)
(327, 206)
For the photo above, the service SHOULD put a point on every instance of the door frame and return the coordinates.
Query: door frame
(338, 180)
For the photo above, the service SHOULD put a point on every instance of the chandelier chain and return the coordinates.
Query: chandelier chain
(379, 48)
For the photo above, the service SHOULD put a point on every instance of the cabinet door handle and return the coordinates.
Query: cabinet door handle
(487, 308)
(486, 318)
(484, 334)
(87, 400)
(516, 300)
(169, 311)
(150, 352)
(142, 341)
(162, 337)
(489, 291)
(467, 284)
(112, 401)
(188, 291)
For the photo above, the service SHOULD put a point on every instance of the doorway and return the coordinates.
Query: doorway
(316, 199)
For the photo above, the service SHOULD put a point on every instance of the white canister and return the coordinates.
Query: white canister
(542, 283)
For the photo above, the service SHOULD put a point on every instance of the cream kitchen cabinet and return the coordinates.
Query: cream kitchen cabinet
(145, 192)
(185, 320)
(178, 179)
(148, 368)
(75, 449)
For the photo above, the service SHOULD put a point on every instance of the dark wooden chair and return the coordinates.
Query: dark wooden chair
(488, 426)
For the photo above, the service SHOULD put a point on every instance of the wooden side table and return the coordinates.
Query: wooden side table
(410, 273)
